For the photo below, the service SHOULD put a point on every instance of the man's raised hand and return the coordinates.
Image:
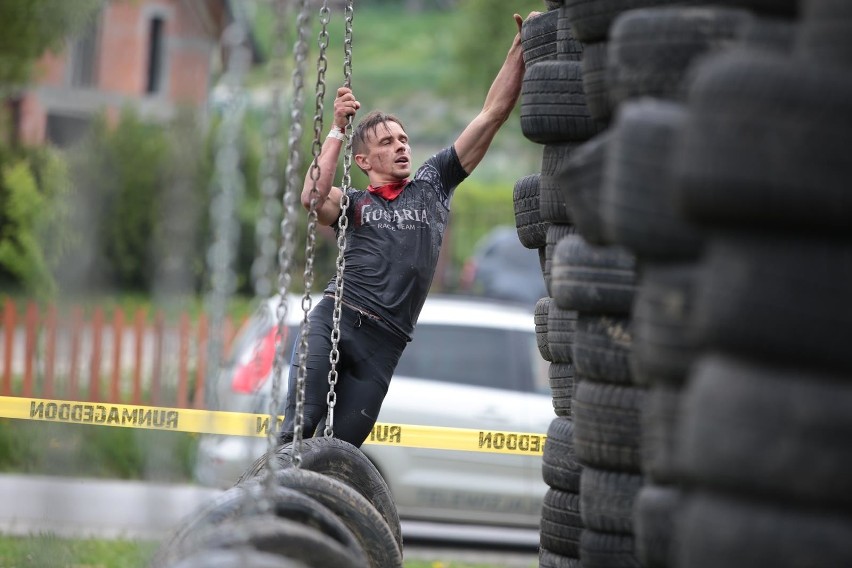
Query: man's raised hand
(345, 105)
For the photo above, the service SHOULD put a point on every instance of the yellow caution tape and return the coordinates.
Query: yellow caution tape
(247, 424)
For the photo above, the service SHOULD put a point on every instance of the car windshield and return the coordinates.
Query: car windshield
(477, 356)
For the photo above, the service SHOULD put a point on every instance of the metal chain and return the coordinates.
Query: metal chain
(343, 222)
(288, 225)
(228, 186)
(287, 247)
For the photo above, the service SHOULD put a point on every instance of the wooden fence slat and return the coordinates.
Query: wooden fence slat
(9, 327)
(183, 361)
(50, 351)
(117, 341)
(201, 365)
(139, 336)
(76, 339)
(157, 370)
(31, 323)
(95, 366)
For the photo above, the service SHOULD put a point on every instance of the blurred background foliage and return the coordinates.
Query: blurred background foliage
(104, 216)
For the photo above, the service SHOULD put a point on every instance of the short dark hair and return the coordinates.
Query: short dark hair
(367, 125)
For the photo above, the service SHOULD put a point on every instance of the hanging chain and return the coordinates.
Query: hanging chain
(270, 189)
(288, 225)
(343, 222)
(228, 185)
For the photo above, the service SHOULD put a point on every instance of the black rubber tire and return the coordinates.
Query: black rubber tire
(767, 431)
(561, 524)
(561, 381)
(660, 419)
(581, 181)
(553, 4)
(342, 461)
(770, 34)
(246, 501)
(242, 557)
(368, 525)
(568, 48)
(752, 289)
(553, 104)
(606, 426)
(555, 233)
(591, 19)
(549, 559)
(746, 164)
(655, 528)
(592, 279)
(650, 50)
(637, 197)
(561, 329)
(824, 32)
(608, 550)
(715, 531)
(602, 347)
(272, 535)
(607, 499)
(553, 207)
(559, 468)
(532, 229)
(595, 81)
(538, 38)
(540, 315)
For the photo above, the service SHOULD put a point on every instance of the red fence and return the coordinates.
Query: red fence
(131, 359)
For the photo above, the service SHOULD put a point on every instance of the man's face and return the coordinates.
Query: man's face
(388, 155)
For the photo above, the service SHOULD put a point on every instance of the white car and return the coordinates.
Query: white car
(472, 364)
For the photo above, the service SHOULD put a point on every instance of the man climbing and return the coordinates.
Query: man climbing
(393, 237)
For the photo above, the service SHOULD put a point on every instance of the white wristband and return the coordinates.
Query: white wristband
(336, 132)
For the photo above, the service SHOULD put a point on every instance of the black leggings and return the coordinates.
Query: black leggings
(369, 352)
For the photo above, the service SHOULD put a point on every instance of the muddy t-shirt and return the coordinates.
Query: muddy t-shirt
(392, 246)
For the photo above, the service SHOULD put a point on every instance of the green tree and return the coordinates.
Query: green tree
(28, 28)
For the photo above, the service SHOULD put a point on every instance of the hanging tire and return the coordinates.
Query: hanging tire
(342, 461)
(752, 290)
(660, 427)
(595, 81)
(368, 525)
(532, 229)
(664, 346)
(538, 38)
(716, 531)
(651, 50)
(776, 35)
(568, 48)
(749, 165)
(770, 432)
(561, 524)
(561, 381)
(608, 550)
(559, 467)
(249, 500)
(592, 279)
(242, 557)
(602, 348)
(561, 329)
(552, 203)
(591, 19)
(581, 181)
(637, 196)
(553, 104)
(548, 559)
(555, 233)
(655, 524)
(540, 315)
(606, 425)
(607, 499)
(272, 535)
(824, 32)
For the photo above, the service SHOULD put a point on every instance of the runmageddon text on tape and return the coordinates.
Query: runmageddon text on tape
(245, 424)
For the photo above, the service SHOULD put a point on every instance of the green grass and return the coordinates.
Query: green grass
(49, 551)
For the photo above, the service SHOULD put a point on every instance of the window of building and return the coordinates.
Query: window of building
(156, 55)
(84, 56)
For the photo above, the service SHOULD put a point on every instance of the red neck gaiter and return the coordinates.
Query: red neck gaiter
(389, 191)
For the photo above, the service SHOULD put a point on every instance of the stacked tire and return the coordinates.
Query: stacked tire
(334, 510)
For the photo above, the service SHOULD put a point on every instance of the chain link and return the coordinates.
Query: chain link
(228, 187)
(343, 222)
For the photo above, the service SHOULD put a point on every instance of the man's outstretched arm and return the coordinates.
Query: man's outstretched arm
(473, 142)
(328, 196)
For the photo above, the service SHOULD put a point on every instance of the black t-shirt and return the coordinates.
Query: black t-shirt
(392, 246)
